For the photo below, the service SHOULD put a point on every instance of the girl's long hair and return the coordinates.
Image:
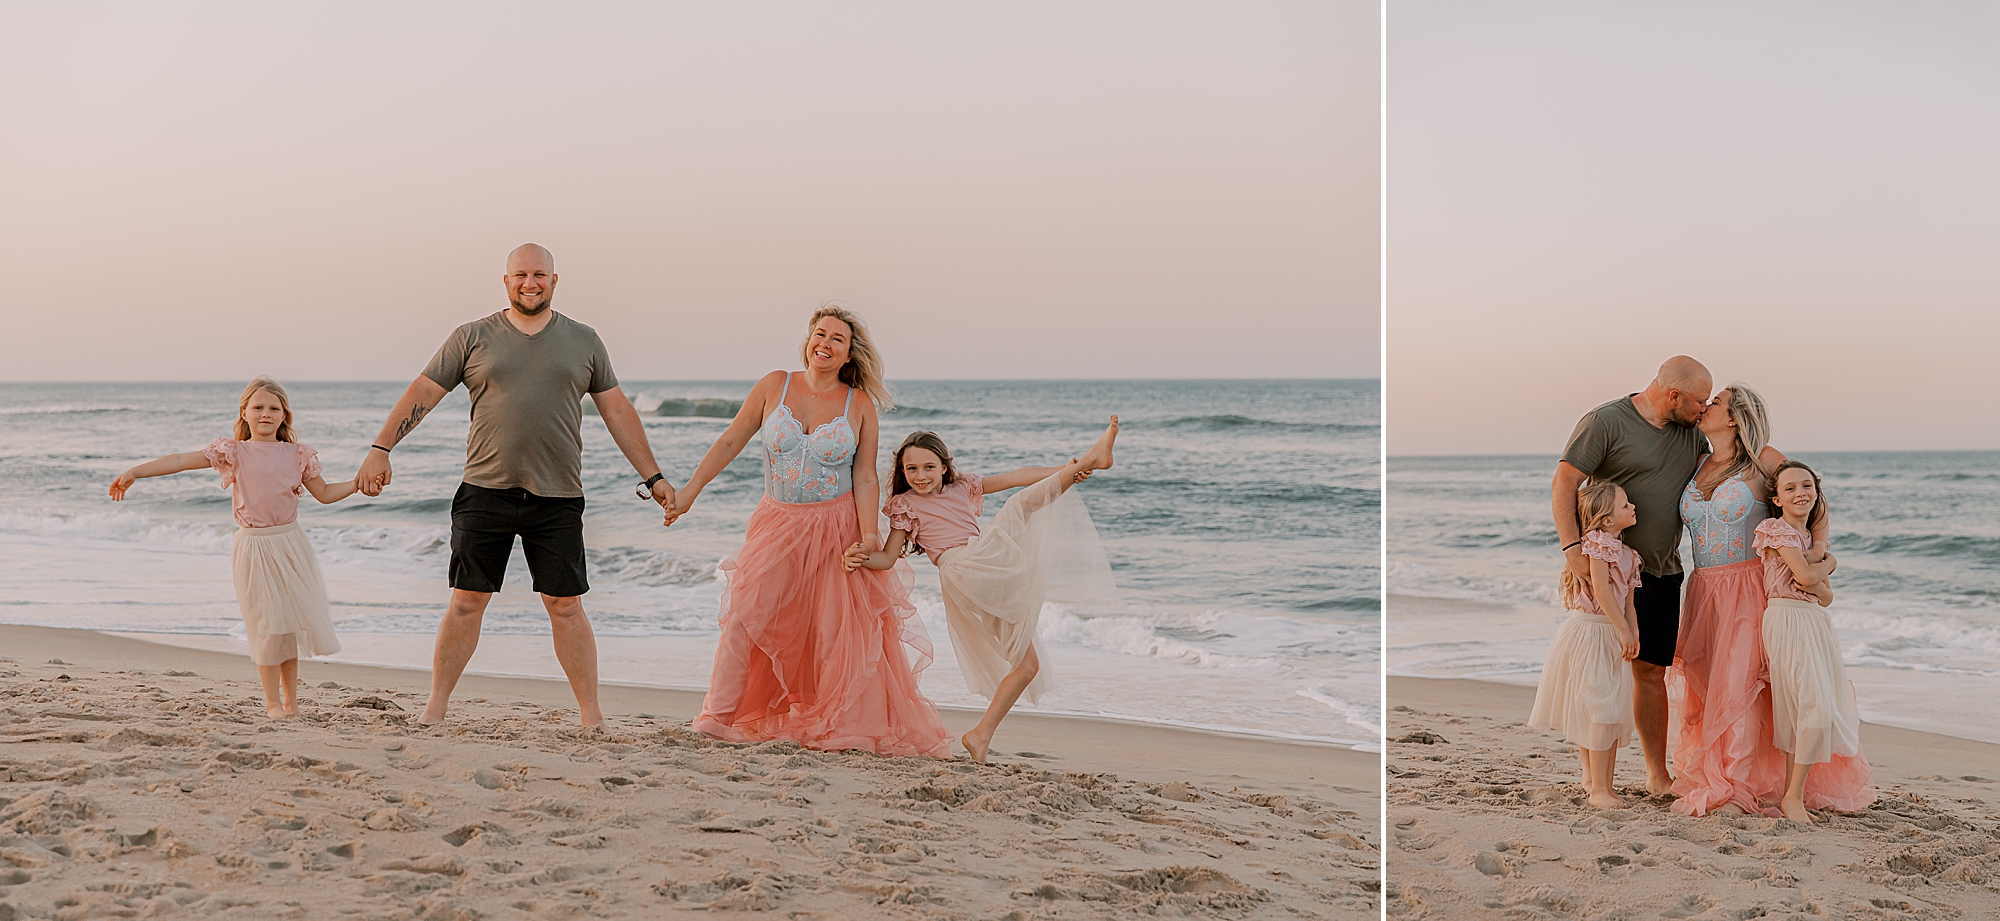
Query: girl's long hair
(284, 400)
(1818, 512)
(863, 370)
(1753, 431)
(928, 441)
(1596, 502)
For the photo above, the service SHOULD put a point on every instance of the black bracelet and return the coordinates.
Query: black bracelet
(380, 448)
(655, 478)
(1573, 543)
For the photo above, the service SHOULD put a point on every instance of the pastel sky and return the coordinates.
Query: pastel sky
(1021, 190)
(1801, 194)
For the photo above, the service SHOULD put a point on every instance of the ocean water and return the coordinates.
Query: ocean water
(1917, 596)
(1242, 523)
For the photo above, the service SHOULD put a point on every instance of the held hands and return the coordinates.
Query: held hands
(374, 474)
(855, 557)
(122, 483)
(676, 504)
(1081, 475)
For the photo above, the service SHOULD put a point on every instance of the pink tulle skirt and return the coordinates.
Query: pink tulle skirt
(815, 654)
(1719, 691)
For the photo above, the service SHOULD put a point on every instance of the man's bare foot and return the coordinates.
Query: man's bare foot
(1099, 455)
(1605, 799)
(1662, 785)
(1796, 811)
(976, 747)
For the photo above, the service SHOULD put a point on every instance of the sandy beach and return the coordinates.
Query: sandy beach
(1487, 820)
(139, 779)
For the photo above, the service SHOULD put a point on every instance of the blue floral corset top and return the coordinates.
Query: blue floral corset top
(1721, 526)
(800, 466)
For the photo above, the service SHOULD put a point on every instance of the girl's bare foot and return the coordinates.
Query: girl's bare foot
(1605, 799)
(275, 712)
(1099, 455)
(974, 746)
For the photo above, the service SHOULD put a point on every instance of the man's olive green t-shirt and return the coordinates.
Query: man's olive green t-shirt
(1653, 465)
(527, 400)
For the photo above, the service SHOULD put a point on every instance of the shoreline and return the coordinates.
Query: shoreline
(538, 643)
(143, 779)
(1487, 820)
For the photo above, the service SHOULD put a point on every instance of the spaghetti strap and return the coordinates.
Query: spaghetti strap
(850, 403)
(785, 389)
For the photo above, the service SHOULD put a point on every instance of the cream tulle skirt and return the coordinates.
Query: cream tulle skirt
(1813, 714)
(1041, 547)
(281, 594)
(1586, 687)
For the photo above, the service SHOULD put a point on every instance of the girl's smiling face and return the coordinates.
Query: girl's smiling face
(1795, 492)
(923, 470)
(1625, 514)
(264, 413)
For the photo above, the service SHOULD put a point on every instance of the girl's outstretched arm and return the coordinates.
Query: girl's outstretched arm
(329, 493)
(892, 550)
(172, 463)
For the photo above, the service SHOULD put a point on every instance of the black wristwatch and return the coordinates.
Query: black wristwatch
(646, 488)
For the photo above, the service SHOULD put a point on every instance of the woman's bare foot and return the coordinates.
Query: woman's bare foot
(1728, 809)
(1796, 811)
(1099, 455)
(1605, 799)
(974, 746)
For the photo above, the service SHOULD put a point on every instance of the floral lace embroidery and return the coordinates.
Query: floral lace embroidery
(1720, 526)
(802, 467)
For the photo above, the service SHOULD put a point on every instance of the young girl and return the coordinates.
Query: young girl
(1586, 687)
(1813, 717)
(1042, 547)
(278, 585)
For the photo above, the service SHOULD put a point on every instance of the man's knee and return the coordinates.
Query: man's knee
(564, 607)
(1647, 673)
(465, 603)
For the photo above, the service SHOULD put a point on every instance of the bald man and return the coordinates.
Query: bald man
(527, 369)
(1647, 443)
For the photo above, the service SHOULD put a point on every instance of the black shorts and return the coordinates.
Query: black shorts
(484, 523)
(1657, 601)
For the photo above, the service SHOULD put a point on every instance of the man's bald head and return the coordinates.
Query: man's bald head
(530, 278)
(1683, 385)
(533, 253)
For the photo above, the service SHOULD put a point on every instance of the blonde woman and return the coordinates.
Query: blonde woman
(1723, 757)
(809, 651)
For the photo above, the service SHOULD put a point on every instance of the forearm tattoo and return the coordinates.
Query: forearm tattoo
(416, 415)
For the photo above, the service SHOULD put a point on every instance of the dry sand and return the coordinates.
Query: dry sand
(141, 780)
(1487, 820)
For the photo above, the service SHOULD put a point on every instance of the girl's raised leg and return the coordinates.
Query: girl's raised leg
(980, 738)
(1794, 804)
(1099, 455)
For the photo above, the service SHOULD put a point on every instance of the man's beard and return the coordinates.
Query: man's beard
(548, 300)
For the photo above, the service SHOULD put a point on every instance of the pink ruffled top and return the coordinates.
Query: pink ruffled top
(266, 478)
(939, 521)
(1772, 534)
(1624, 563)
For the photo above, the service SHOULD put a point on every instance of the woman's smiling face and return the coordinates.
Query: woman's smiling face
(826, 348)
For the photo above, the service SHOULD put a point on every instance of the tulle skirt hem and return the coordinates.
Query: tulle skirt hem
(1586, 687)
(281, 594)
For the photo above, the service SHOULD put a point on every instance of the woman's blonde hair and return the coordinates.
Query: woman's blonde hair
(863, 370)
(1596, 502)
(284, 400)
(1753, 430)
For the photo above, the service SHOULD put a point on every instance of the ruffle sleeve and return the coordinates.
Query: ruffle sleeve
(221, 454)
(901, 517)
(1776, 532)
(308, 468)
(1603, 546)
(972, 483)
